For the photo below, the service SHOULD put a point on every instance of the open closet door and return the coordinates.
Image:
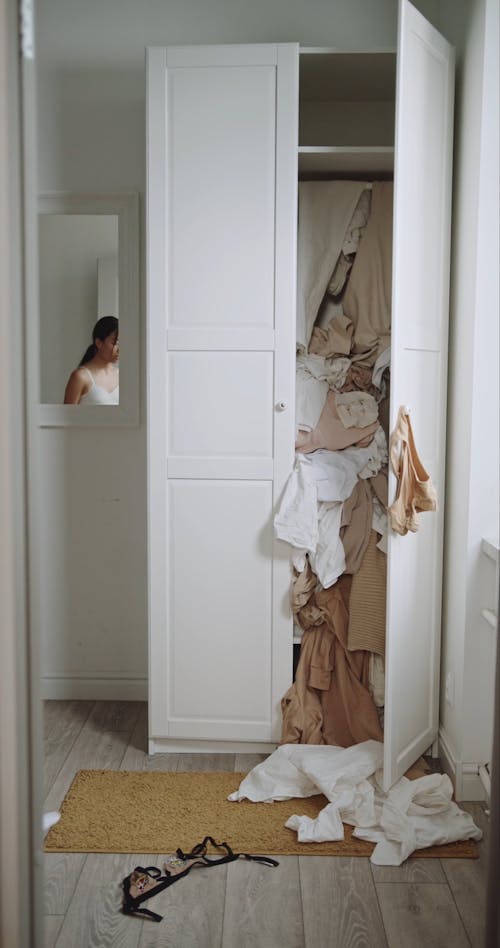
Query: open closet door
(422, 182)
(222, 221)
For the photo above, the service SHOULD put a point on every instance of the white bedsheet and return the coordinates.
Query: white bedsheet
(414, 814)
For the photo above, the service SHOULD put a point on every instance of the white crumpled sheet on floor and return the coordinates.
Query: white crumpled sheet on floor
(412, 815)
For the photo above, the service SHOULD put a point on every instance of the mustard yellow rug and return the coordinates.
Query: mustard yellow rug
(109, 811)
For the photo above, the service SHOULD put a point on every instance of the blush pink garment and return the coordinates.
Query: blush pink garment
(331, 434)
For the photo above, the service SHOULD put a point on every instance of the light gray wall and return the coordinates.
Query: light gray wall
(472, 501)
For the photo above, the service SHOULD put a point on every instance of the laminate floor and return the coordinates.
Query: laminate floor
(309, 902)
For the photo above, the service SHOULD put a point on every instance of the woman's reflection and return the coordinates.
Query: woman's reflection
(95, 381)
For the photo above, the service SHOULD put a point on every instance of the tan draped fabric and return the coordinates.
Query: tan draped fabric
(329, 701)
(367, 299)
(325, 211)
(334, 340)
(356, 525)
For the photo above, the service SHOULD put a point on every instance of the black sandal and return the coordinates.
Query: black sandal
(143, 883)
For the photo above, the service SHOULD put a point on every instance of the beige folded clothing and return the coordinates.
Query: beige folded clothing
(356, 409)
(331, 434)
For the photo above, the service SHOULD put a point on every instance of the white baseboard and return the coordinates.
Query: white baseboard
(79, 688)
(165, 745)
(472, 785)
(465, 777)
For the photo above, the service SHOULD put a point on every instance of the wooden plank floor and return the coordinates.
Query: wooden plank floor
(309, 902)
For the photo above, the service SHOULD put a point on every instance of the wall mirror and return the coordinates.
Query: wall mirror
(88, 253)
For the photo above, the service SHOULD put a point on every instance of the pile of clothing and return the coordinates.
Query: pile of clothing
(334, 509)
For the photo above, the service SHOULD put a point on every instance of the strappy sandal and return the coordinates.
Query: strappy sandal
(143, 883)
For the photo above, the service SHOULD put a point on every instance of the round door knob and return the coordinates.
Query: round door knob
(281, 406)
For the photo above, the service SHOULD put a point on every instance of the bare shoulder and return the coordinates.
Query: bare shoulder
(80, 373)
(78, 385)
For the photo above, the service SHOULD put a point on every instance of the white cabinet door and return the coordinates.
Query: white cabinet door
(424, 114)
(221, 224)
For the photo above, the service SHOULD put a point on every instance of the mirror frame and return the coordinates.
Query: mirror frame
(125, 206)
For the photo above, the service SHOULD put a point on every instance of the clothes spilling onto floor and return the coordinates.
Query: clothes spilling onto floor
(414, 813)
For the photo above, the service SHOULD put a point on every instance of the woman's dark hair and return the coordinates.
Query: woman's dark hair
(104, 327)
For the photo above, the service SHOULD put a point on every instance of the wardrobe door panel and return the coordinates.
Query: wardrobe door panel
(221, 223)
(217, 408)
(221, 126)
(422, 181)
(220, 582)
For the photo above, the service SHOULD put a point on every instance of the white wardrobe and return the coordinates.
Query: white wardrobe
(229, 130)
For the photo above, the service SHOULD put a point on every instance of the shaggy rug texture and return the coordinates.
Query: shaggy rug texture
(107, 811)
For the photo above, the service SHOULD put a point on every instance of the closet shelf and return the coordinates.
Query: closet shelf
(315, 159)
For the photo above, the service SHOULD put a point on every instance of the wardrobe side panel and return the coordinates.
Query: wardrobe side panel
(422, 205)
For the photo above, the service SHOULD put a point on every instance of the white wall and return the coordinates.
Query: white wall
(92, 483)
(472, 501)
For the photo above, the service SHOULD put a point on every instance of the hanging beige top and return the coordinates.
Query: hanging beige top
(415, 491)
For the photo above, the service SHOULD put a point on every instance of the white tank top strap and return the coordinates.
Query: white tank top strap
(97, 395)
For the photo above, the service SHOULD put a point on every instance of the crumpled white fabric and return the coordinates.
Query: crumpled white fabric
(310, 397)
(333, 371)
(413, 814)
(336, 472)
(328, 560)
(326, 827)
(309, 526)
(279, 777)
(296, 521)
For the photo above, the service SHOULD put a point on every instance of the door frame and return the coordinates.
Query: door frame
(21, 920)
